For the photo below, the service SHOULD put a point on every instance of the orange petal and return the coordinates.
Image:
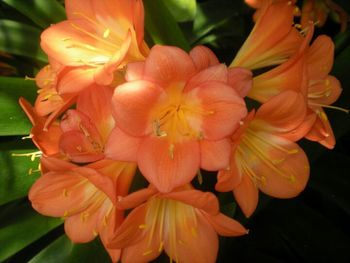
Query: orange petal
(319, 57)
(82, 227)
(121, 146)
(272, 40)
(213, 73)
(246, 195)
(199, 245)
(76, 7)
(132, 103)
(215, 155)
(95, 102)
(230, 177)
(205, 201)
(134, 71)
(226, 109)
(130, 232)
(136, 198)
(166, 65)
(324, 91)
(168, 165)
(241, 80)
(322, 131)
(56, 165)
(226, 226)
(282, 113)
(60, 194)
(75, 80)
(203, 57)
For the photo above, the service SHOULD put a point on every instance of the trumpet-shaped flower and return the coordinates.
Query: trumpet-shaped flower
(84, 196)
(323, 89)
(173, 118)
(184, 223)
(273, 38)
(264, 155)
(99, 37)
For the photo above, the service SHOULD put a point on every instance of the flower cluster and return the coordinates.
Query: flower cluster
(108, 105)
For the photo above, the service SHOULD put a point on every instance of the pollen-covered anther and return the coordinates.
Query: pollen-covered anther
(106, 33)
(142, 226)
(147, 252)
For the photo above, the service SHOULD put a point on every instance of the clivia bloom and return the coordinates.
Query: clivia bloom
(273, 39)
(99, 38)
(264, 155)
(185, 223)
(173, 118)
(85, 196)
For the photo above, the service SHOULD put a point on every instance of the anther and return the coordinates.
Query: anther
(106, 33)
(147, 252)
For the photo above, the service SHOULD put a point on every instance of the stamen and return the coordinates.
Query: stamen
(32, 155)
(147, 252)
(329, 107)
(143, 226)
(161, 246)
(29, 78)
(199, 177)
(94, 232)
(106, 33)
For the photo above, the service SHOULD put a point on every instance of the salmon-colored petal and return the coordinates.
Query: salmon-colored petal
(246, 195)
(215, 155)
(136, 198)
(78, 148)
(213, 73)
(75, 80)
(203, 57)
(82, 228)
(130, 233)
(280, 167)
(72, 43)
(226, 108)
(56, 165)
(282, 113)
(121, 146)
(303, 129)
(134, 71)
(105, 75)
(226, 226)
(95, 102)
(230, 177)
(319, 57)
(256, 3)
(324, 91)
(241, 80)
(60, 194)
(168, 165)
(74, 8)
(144, 251)
(48, 101)
(272, 40)
(132, 103)
(322, 131)
(166, 65)
(109, 221)
(102, 182)
(290, 75)
(201, 244)
(205, 201)
(46, 141)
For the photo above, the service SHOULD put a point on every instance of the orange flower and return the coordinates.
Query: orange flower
(323, 89)
(264, 155)
(99, 37)
(86, 129)
(85, 196)
(184, 223)
(173, 118)
(273, 38)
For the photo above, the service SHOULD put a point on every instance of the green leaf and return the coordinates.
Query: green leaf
(20, 39)
(41, 12)
(63, 250)
(20, 226)
(18, 173)
(182, 10)
(161, 25)
(13, 121)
